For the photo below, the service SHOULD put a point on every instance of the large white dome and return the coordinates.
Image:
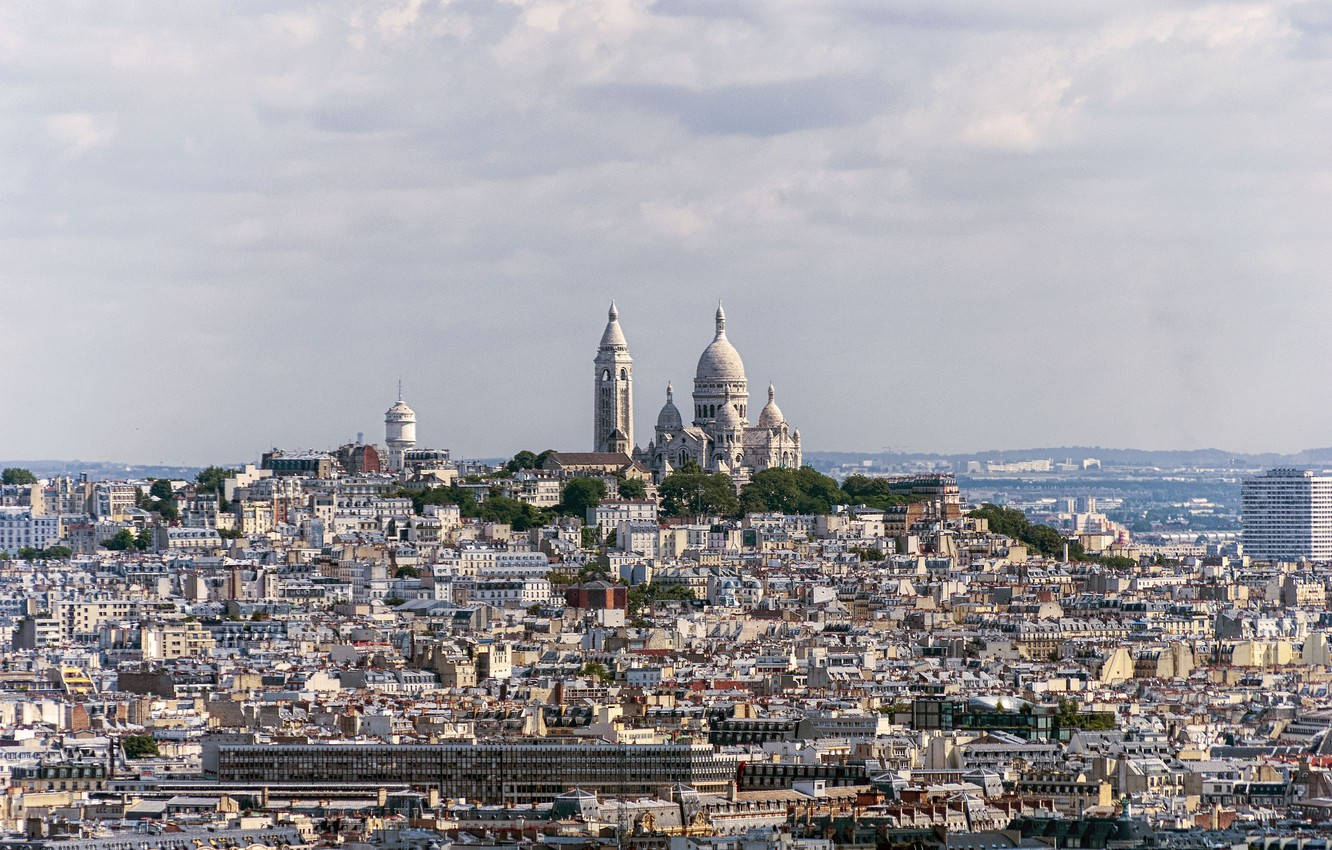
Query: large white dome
(720, 361)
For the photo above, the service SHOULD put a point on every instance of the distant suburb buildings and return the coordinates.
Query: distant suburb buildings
(1288, 516)
(720, 437)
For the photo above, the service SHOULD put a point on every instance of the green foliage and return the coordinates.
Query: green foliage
(641, 597)
(1012, 522)
(1118, 562)
(123, 540)
(211, 480)
(230, 533)
(139, 746)
(17, 475)
(579, 494)
(520, 515)
(451, 495)
(527, 460)
(868, 555)
(690, 492)
(167, 510)
(560, 579)
(162, 489)
(791, 491)
(406, 572)
(394, 601)
(632, 488)
(260, 617)
(1067, 716)
(876, 493)
(590, 537)
(598, 671)
(522, 460)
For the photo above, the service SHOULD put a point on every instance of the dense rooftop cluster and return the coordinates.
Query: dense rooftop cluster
(306, 654)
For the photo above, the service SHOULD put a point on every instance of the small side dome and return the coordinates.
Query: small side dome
(771, 415)
(670, 420)
(728, 418)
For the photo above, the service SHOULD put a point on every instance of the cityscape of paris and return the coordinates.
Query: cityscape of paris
(665, 425)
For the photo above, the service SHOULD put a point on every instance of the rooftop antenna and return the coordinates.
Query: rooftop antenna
(400, 389)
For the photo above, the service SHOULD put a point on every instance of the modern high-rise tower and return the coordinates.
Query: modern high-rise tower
(1288, 516)
(613, 405)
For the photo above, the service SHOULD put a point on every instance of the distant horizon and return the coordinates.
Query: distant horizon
(981, 454)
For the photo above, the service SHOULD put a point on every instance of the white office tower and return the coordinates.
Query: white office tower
(399, 431)
(1288, 516)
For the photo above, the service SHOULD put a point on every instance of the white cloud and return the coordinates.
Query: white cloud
(79, 132)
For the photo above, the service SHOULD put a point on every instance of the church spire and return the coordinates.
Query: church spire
(721, 320)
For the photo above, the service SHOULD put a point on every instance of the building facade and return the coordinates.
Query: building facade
(521, 771)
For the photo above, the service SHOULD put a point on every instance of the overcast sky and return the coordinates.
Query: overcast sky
(937, 225)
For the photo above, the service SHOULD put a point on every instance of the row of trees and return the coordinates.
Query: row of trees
(50, 553)
(691, 491)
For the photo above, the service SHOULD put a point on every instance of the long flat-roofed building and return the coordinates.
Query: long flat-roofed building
(490, 772)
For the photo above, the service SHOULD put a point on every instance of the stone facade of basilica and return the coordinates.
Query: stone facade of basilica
(719, 437)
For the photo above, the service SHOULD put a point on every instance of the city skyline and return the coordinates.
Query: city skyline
(938, 226)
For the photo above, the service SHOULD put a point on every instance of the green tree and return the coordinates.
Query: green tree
(139, 746)
(17, 475)
(518, 514)
(213, 478)
(162, 489)
(792, 491)
(27, 553)
(122, 540)
(579, 494)
(540, 462)
(632, 488)
(57, 553)
(874, 493)
(406, 572)
(688, 492)
(590, 537)
(642, 596)
(229, 533)
(1042, 539)
(451, 495)
(598, 671)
